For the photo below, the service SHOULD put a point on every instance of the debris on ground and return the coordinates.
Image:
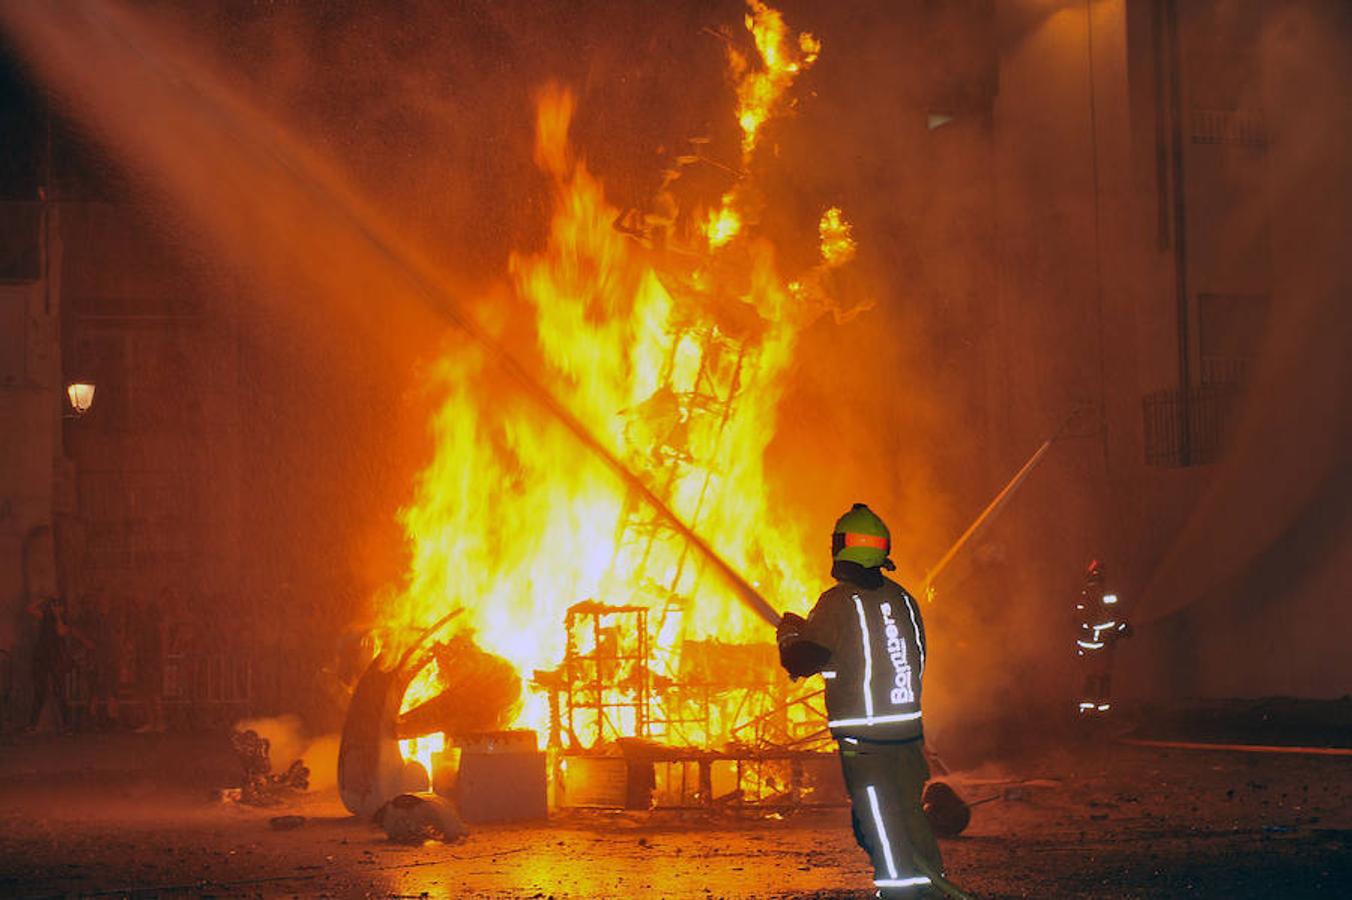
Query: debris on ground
(948, 814)
(261, 786)
(286, 823)
(415, 818)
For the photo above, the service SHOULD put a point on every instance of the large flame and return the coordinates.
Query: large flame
(761, 86)
(677, 367)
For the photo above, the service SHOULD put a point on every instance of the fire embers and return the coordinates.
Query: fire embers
(261, 786)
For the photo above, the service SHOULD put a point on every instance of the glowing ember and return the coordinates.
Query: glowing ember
(421, 749)
(723, 226)
(838, 246)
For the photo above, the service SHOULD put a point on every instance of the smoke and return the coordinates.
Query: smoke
(288, 741)
(285, 736)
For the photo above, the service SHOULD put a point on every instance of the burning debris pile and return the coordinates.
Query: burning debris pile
(669, 334)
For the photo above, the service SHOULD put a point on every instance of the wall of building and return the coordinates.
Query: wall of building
(1228, 555)
(157, 463)
(139, 498)
(32, 489)
(1243, 597)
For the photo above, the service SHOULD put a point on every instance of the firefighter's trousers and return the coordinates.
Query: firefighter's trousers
(1096, 688)
(886, 781)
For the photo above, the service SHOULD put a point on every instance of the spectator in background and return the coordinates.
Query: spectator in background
(49, 659)
(100, 628)
(79, 656)
(148, 634)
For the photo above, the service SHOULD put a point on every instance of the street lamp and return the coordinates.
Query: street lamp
(81, 394)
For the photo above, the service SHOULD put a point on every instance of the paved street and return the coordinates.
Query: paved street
(1134, 822)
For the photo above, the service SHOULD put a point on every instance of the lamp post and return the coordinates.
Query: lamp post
(81, 394)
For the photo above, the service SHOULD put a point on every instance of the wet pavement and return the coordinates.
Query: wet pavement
(1117, 821)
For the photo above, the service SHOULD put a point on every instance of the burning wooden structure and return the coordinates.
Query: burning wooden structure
(667, 333)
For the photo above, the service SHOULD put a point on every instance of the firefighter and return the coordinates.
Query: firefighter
(866, 639)
(1099, 626)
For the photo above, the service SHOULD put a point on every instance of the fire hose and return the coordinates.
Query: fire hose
(946, 887)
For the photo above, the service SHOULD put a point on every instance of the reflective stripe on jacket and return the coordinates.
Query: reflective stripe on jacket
(877, 643)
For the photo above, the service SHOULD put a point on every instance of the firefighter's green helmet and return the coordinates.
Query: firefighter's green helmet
(861, 537)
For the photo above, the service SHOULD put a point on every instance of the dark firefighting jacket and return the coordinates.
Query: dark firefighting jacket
(1098, 623)
(876, 641)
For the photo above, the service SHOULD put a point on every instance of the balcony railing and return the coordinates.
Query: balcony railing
(1187, 429)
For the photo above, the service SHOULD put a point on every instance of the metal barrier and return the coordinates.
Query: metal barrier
(209, 682)
(195, 689)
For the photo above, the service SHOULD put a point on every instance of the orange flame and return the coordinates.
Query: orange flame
(516, 522)
(837, 241)
(760, 88)
(759, 91)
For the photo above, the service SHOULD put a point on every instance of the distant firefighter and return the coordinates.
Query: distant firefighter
(866, 638)
(1099, 626)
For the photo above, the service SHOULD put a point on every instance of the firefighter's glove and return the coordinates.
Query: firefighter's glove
(799, 657)
(790, 627)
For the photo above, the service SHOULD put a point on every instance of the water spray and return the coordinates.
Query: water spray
(996, 504)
